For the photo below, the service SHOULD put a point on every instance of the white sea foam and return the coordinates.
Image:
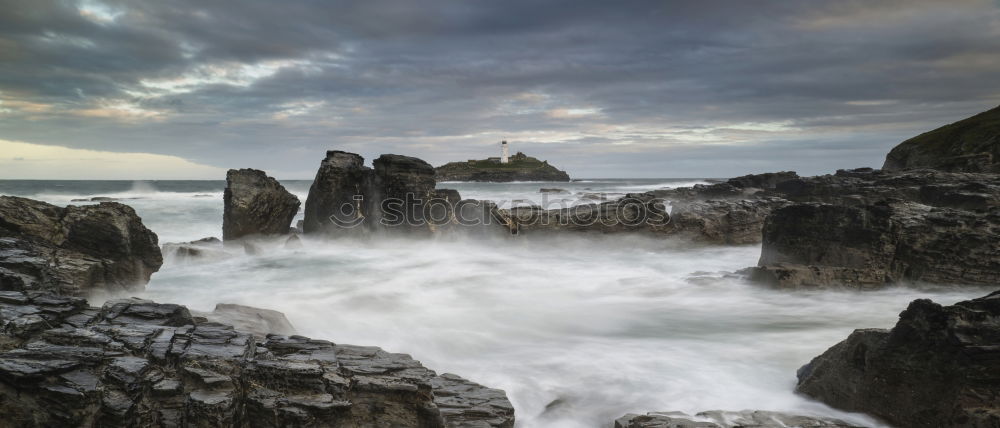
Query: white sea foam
(604, 324)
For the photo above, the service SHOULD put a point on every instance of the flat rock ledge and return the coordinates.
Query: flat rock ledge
(722, 419)
(138, 363)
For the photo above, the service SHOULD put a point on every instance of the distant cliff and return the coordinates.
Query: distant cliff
(520, 168)
(969, 145)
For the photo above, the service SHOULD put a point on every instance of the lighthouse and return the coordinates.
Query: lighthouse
(504, 152)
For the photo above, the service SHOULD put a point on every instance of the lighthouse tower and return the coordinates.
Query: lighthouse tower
(504, 152)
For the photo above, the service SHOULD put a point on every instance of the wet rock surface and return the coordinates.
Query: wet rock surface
(138, 363)
(938, 367)
(869, 246)
(721, 419)
(203, 250)
(255, 204)
(865, 186)
(397, 196)
(74, 250)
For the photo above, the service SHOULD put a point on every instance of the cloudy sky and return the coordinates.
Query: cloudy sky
(188, 88)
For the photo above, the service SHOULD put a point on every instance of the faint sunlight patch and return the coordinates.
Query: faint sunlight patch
(22, 160)
(871, 102)
(98, 12)
(119, 110)
(572, 113)
(297, 108)
(782, 126)
(229, 73)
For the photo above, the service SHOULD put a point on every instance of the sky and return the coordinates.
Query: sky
(97, 89)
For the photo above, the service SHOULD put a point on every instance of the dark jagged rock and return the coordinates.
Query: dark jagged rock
(720, 419)
(624, 215)
(969, 145)
(966, 191)
(336, 196)
(869, 246)
(255, 204)
(520, 168)
(939, 367)
(397, 196)
(138, 363)
(743, 187)
(722, 222)
(403, 187)
(74, 250)
(765, 181)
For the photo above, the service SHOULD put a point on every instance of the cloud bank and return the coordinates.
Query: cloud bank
(603, 89)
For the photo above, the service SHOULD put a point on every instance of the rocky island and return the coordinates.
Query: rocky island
(519, 167)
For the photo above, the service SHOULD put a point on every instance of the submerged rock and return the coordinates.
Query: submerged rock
(938, 367)
(201, 251)
(138, 363)
(255, 204)
(720, 419)
(76, 249)
(257, 321)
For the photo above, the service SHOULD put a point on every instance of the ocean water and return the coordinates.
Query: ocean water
(578, 329)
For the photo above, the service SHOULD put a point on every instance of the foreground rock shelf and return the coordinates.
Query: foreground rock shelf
(138, 363)
(938, 367)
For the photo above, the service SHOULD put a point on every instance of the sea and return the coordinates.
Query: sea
(578, 329)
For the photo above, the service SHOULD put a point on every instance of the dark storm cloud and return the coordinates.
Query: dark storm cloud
(603, 88)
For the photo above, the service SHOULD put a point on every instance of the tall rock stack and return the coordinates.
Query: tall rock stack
(256, 204)
(348, 198)
(337, 195)
(406, 185)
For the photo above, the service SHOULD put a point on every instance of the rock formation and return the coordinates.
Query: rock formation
(520, 168)
(869, 246)
(743, 187)
(203, 250)
(256, 321)
(865, 186)
(969, 145)
(74, 250)
(336, 197)
(138, 363)
(720, 419)
(255, 204)
(938, 367)
(397, 196)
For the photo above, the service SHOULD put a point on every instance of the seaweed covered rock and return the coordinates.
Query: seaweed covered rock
(138, 363)
(74, 250)
(938, 367)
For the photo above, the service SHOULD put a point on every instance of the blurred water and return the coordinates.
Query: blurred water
(591, 327)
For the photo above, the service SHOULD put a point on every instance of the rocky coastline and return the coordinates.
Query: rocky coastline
(136, 362)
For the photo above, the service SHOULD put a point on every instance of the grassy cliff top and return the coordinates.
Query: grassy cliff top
(949, 146)
(526, 163)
